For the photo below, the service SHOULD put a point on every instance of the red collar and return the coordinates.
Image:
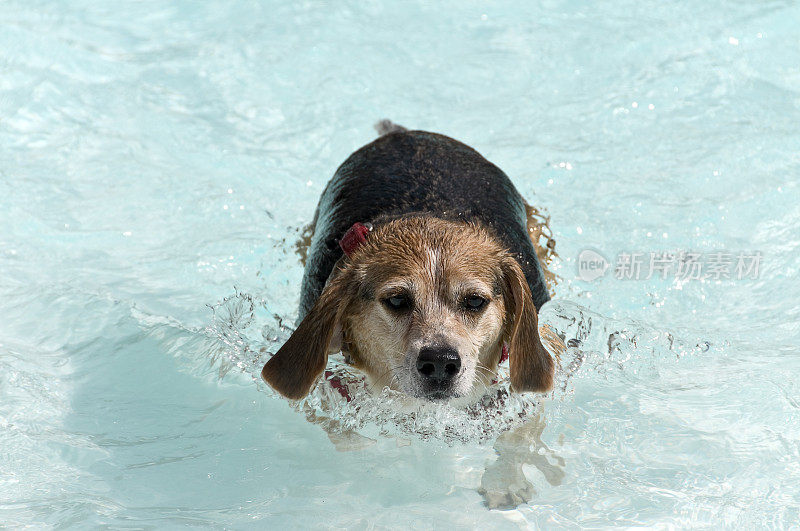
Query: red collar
(337, 383)
(354, 237)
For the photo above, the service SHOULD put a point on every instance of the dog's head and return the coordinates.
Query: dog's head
(424, 306)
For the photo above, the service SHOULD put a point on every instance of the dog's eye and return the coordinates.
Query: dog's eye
(397, 302)
(474, 302)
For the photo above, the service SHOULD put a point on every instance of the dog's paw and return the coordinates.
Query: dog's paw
(349, 441)
(503, 486)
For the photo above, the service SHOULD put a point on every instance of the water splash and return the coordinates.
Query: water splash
(584, 343)
(610, 345)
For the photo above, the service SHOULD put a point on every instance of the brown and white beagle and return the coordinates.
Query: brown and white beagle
(422, 271)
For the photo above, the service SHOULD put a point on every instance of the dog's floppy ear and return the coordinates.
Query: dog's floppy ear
(532, 367)
(294, 369)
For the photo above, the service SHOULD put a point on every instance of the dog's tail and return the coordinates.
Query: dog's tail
(384, 127)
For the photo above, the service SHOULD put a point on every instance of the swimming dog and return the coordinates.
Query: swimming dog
(422, 272)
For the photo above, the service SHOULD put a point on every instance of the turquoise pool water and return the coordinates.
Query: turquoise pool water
(159, 160)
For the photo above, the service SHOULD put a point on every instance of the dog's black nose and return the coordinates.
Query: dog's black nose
(438, 364)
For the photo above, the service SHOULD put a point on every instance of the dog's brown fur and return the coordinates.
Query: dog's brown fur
(437, 263)
(539, 231)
